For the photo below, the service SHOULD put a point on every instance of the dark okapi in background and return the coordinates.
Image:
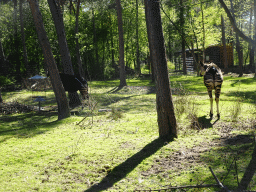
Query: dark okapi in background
(72, 83)
(212, 80)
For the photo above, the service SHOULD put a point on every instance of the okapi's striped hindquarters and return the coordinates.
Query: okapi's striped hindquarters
(212, 80)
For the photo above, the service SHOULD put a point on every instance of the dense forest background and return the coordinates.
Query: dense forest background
(186, 23)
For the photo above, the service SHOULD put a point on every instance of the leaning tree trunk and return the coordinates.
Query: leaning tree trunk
(165, 110)
(121, 44)
(64, 51)
(63, 109)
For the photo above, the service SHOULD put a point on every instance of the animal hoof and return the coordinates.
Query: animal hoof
(218, 115)
(211, 115)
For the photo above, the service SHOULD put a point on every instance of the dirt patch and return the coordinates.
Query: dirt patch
(187, 158)
(15, 107)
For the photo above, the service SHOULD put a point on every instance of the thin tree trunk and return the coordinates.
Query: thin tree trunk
(224, 46)
(149, 58)
(121, 44)
(165, 110)
(137, 40)
(182, 22)
(63, 46)
(254, 34)
(25, 56)
(203, 31)
(251, 50)
(95, 42)
(16, 43)
(78, 56)
(2, 57)
(112, 41)
(63, 109)
(238, 45)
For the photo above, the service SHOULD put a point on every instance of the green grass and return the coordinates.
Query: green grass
(120, 150)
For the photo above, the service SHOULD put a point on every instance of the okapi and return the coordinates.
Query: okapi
(212, 80)
(72, 83)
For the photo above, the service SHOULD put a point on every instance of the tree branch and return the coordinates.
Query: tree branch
(238, 31)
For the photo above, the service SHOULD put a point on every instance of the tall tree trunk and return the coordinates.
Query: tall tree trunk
(251, 51)
(182, 23)
(63, 109)
(112, 41)
(149, 58)
(25, 56)
(78, 56)
(2, 57)
(121, 44)
(16, 43)
(165, 110)
(138, 71)
(203, 31)
(95, 43)
(238, 45)
(254, 34)
(63, 46)
(224, 46)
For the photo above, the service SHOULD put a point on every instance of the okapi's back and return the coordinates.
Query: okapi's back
(213, 77)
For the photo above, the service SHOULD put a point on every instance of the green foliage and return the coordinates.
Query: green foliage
(6, 81)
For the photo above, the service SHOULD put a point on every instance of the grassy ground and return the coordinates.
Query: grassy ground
(120, 150)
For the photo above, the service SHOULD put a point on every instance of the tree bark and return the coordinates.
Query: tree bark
(149, 58)
(1, 100)
(165, 110)
(224, 46)
(182, 22)
(254, 34)
(16, 43)
(238, 45)
(25, 56)
(138, 71)
(78, 56)
(251, 51)
(203, 31)
(95, 44)
(2, 57)
(63, 109)
(121, 44)
(63, 46)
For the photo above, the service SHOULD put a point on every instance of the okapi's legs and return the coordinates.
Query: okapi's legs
(211, 101)
(217, 103)
(217, 96)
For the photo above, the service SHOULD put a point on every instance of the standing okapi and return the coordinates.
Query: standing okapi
(212, 80)
(72, 83)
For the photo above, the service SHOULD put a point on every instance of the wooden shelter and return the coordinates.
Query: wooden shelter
(213, 53)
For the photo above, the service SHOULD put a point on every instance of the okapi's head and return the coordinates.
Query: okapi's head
(72, 83)
(203, 68)
(84, 89)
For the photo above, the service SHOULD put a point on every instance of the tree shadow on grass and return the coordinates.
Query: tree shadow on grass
(120, 172)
